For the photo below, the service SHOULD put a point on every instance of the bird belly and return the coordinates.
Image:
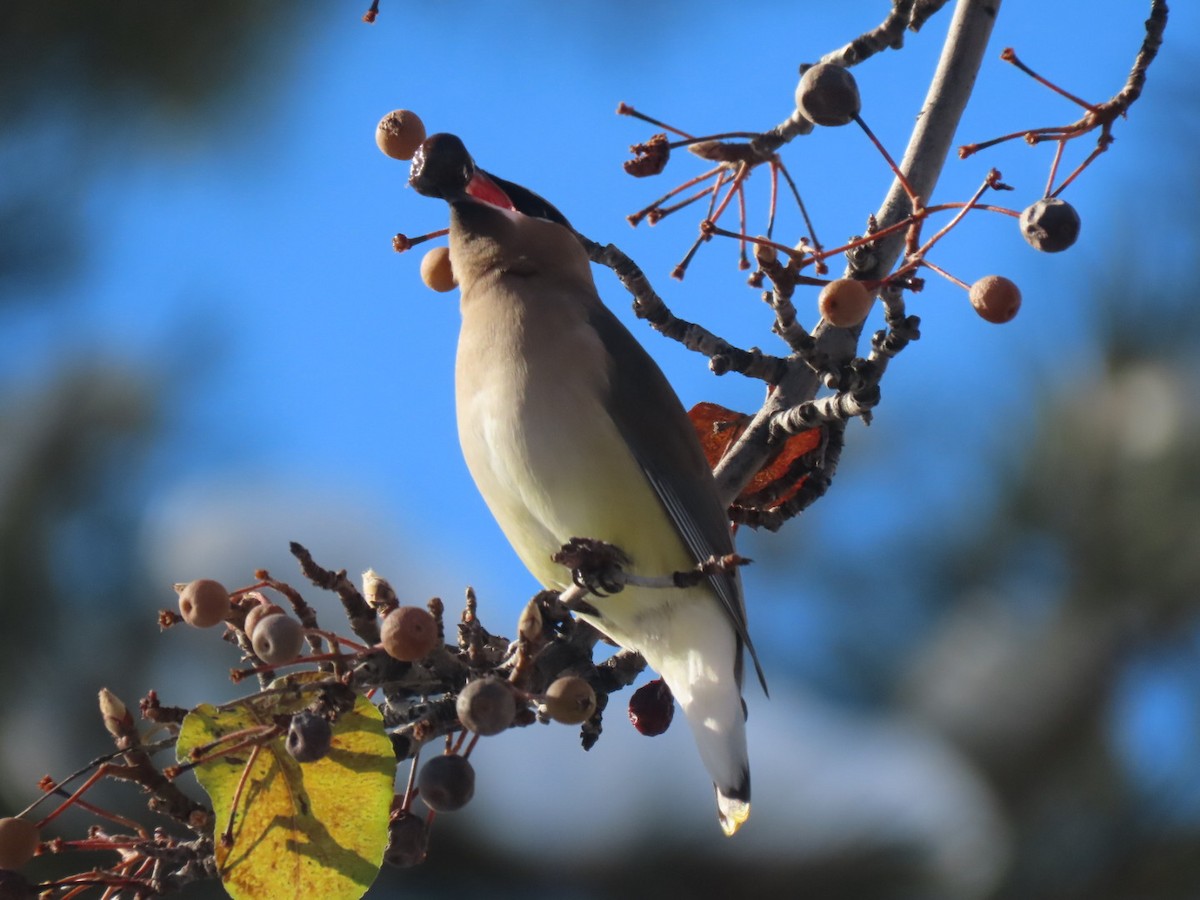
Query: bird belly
(552, 466)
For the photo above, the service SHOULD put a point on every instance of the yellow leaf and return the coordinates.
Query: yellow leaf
(306, 830)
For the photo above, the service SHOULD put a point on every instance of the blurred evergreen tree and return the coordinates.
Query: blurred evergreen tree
(85, 83)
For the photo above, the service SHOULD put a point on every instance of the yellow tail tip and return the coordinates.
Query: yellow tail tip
(731, 813)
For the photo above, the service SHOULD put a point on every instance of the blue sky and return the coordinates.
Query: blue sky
(251, 269)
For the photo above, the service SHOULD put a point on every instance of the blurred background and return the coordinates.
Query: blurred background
(983, 644)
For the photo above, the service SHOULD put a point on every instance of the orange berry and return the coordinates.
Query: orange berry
(400, 133)
(995, 298)
(408, 633)
(436, 271)
(845, 302)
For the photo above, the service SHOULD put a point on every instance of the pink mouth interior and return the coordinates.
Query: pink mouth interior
(483, 188)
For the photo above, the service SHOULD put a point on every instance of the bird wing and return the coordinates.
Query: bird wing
(657, 429)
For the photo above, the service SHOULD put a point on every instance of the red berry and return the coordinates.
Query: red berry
(446, 783)
(19, 839)
(995, 298)
(203, 603)
(408, 633)
(652, 707)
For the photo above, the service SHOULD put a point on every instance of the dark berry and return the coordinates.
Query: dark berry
(828, 95)
(486, 706)
(446, 783)
(408, 840)
(1050, 225)
(15, 886)
(652, 707)
(308, 736)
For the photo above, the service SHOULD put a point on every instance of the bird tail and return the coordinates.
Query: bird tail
(701, 670)
(733, 811)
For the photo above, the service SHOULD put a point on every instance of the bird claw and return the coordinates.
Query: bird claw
(595, 565)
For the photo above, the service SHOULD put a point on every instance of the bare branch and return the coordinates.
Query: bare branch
(922, 164)
(888, 34)
(647, 304)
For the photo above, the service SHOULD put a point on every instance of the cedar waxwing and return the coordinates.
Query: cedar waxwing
(570, 430)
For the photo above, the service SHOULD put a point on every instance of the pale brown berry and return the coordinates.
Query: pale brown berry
(19, 839)
(258, 612)
(436, 271)
(400, 133)
(845, 302)
(408, 633)
(203, 603)
(828, 95)
(570, 700)
(995, 298)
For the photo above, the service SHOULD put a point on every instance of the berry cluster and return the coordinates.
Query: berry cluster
(425, 691)
(827, 95)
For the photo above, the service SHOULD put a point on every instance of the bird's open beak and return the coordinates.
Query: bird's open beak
(443, 168)
(483, 188)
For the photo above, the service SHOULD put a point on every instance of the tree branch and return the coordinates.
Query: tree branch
(922, 164)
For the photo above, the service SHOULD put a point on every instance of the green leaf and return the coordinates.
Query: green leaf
(306, 830)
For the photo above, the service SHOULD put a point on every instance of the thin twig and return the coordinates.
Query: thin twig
(922, 164)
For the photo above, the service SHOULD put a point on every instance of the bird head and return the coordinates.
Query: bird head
(496, 226)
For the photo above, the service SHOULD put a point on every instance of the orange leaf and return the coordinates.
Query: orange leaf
(718, 429)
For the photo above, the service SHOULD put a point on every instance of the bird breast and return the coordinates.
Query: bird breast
(531, 389)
